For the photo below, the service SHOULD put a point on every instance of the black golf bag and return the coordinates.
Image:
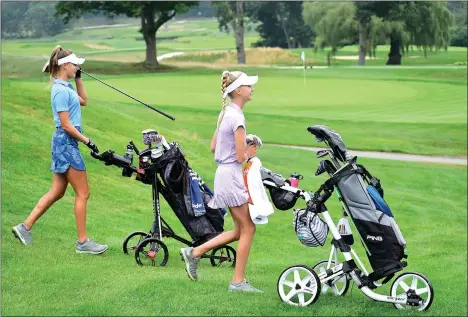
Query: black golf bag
(174, 172)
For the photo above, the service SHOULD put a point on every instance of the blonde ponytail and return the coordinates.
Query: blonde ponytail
(224, 84)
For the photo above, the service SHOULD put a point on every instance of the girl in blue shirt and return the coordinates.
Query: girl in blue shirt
(67, 163)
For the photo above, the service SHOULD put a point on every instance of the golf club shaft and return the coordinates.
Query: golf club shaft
(151, 107)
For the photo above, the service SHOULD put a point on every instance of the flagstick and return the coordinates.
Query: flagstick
(303, 63)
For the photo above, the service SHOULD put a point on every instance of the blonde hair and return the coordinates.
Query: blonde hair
(227, 78)
(57, 53)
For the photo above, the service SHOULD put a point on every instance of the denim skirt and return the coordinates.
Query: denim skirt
(65, 152)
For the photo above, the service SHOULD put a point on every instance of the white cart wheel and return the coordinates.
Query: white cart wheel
(299, 285)
(338, 286)
(413, 285)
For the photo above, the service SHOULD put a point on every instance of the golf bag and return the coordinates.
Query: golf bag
(174, 171)
(363, 196)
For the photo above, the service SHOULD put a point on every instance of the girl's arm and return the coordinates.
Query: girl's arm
(69, 128)
(239, 137)
(82, 95)
(213, 143)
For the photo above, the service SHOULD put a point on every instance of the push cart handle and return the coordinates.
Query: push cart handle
(109, 158)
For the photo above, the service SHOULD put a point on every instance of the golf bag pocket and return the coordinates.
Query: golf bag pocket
(344, 229)
(379, 202)
(386, 245)
(397, 232)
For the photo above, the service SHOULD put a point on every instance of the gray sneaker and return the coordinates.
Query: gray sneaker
(91, 247)
(22, 234)
(191, 262)
(243, 286)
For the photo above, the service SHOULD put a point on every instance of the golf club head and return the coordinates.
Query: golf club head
(325, 166)
(321, 153)
(150, 136)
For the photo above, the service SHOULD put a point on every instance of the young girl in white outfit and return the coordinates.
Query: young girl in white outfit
(260, 206)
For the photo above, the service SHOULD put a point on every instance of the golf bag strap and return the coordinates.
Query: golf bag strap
(336, 178)
(372, 180)
(361, 170)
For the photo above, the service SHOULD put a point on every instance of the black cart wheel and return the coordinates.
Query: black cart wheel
(223, 256)
(132, 240)
(151, 252)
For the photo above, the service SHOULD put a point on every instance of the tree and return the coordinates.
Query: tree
(364, 14)
(231, 15)
(333, 22)
(458, 32)
(281, 24)
(12, 15)
(153, 15)
(375, 36)
(29, 19)
(428, 26)
(422, 23)
(40, 21)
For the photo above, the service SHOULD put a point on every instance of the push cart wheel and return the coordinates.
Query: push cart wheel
(132, 240)
(152, 252)
(299, 285)
(416, 288)
(223, 256)
(338, 286)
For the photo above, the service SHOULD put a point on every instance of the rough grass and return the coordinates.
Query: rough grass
(254, 56)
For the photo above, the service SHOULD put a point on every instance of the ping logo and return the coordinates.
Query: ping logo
(374, 238)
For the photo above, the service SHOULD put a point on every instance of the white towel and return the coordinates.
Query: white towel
(260, 206)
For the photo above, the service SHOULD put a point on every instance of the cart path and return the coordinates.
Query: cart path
(459, 160)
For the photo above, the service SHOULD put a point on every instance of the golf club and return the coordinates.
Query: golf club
(45, 69)
(151, 107)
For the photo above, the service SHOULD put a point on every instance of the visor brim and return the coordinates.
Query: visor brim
(250, 80)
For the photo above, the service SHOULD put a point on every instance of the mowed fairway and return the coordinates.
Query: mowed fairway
(395, 110)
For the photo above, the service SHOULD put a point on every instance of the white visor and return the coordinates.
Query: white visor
(72, 58)
(243, 80)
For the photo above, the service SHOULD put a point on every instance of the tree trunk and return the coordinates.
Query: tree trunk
(151, 60)
(394, 57)
(286, 35)
(148, 29)
(239, 30)
(362, 43)
(283, 26)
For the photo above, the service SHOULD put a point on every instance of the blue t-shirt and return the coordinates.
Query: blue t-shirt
(65, 98)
